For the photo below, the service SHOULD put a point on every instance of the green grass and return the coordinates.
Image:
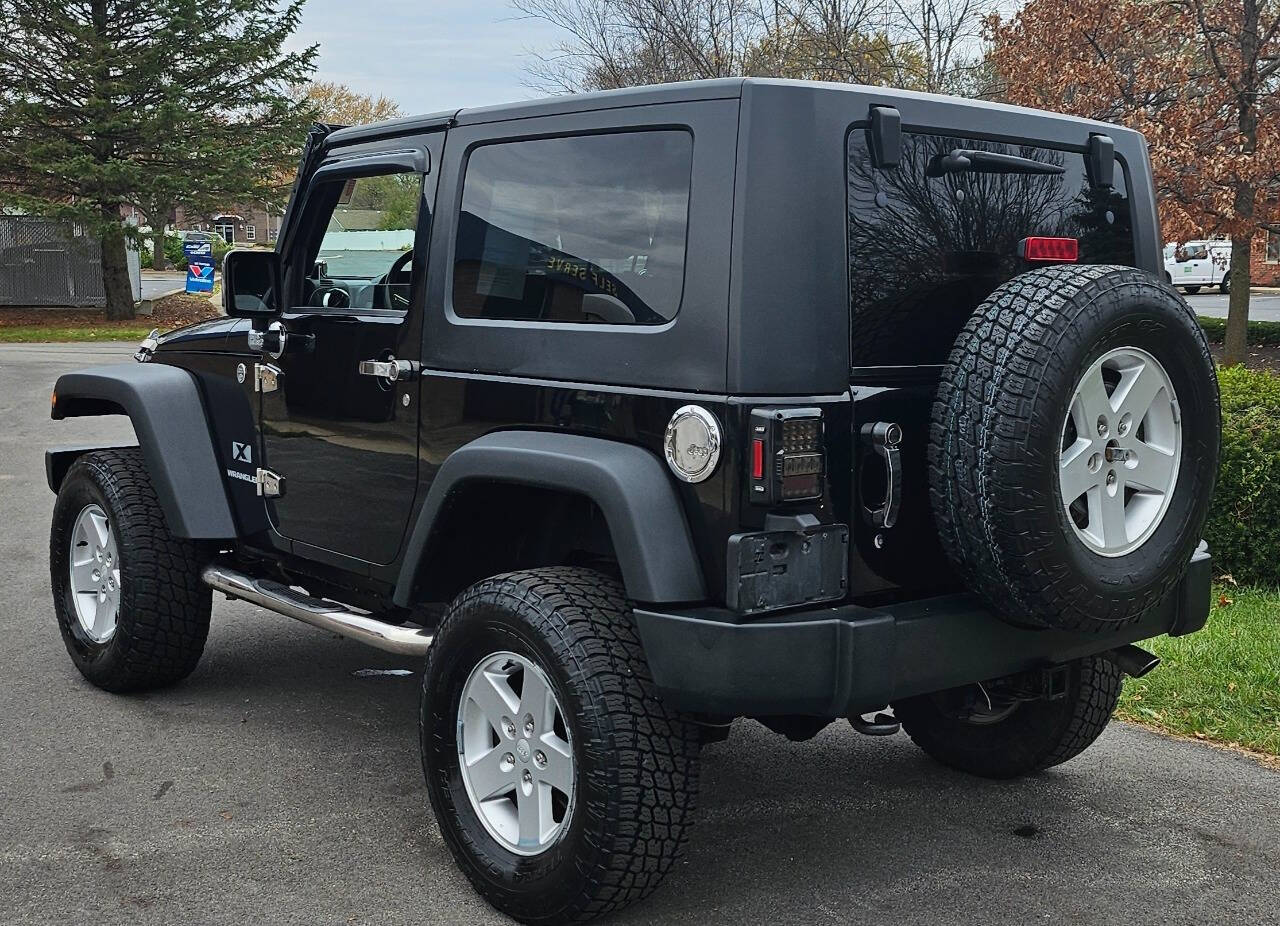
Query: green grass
(1260, 333)
(1221, 684)
(25, 334)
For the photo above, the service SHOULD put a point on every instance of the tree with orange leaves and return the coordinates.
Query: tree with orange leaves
(1200, 78)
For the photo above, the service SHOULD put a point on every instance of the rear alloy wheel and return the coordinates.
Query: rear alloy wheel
(516, 755)
(561, 783)
(985, 730)
(1225, 286)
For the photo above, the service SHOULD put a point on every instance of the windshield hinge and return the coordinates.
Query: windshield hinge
(266, 377)
(146, 350)
(270, 485)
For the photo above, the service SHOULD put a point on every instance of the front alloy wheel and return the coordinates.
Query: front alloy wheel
(127, 594)
(95, 574)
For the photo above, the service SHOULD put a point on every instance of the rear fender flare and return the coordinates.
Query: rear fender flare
(630, 485)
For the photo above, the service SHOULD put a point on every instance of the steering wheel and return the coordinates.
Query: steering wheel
(331, 297)
(399, 275)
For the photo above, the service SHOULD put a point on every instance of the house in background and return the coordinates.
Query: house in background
(1264, 257)
(242, 225)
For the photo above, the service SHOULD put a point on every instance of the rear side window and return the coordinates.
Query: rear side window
(587, 229)
(925, 247)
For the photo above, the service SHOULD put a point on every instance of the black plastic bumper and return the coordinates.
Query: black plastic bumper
(837, 661)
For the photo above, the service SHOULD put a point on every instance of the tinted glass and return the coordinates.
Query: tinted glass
(583, 229)
(925, 250)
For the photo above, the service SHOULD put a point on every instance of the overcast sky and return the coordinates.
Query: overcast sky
(426, 55)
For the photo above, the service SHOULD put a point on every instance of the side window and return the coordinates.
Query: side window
(361, 252)
(927, 244)
(588, 228)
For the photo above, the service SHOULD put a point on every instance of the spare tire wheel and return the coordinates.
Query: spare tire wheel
(1074, 445)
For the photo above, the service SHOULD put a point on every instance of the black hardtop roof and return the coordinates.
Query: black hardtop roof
(691, 91)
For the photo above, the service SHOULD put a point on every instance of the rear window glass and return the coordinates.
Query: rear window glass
(925, 250)
(586, 229)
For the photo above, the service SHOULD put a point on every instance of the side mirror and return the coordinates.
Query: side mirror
(252, 284)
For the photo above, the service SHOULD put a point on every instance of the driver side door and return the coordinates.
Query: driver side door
(343, 437)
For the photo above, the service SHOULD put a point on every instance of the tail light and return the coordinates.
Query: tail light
(787, 455)
(1049, 250)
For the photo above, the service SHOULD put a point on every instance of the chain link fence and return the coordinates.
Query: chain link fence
(46, 262)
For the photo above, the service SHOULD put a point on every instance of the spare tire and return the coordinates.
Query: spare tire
(1073, 446)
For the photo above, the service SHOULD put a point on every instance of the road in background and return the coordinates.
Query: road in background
(277, 786)
(155, 285)
(1262, 306)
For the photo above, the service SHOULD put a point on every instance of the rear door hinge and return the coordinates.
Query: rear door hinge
(270, 485)
(266, 377)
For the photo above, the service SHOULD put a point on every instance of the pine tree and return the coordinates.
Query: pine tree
(152, 103)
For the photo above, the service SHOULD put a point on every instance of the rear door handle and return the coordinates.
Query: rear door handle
(885, 436)
(391, 369)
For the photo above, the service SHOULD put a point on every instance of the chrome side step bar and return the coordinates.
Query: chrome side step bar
(318, 612)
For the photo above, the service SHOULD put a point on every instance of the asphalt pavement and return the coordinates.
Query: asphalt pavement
(155, 285)
(278, 786)
(1263, 306)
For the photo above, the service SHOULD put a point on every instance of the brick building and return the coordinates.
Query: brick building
(1264, 257)
(242, 225)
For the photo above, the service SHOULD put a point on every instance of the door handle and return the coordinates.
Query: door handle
(391, 369)
(885, 436)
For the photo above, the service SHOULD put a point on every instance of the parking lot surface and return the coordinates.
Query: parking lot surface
(280, 785)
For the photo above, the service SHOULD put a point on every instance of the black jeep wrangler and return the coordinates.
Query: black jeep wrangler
(637, 412)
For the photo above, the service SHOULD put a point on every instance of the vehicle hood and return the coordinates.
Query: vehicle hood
(211, 335)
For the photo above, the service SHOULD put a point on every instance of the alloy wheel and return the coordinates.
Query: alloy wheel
(515, 753)
(95, 574)
(1121, 445)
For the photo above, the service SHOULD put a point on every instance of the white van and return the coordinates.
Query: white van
(1194, 264)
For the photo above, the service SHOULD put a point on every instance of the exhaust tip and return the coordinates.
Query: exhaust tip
(1134, 661)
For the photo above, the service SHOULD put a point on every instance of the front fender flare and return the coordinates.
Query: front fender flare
(630, 485)
(168, 416)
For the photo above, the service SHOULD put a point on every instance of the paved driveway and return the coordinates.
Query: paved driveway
(276, 786)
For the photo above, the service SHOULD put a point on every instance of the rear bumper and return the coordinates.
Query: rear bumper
(838, 661)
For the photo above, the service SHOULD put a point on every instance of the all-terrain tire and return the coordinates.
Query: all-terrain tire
(996, 442)
(1034, 736)
(636, 760)
(163, 614)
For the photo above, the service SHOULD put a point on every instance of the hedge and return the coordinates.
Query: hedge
(1244, 519)
(1260, 334)
(173, 251)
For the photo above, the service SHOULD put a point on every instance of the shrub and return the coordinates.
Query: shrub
(173, 251)
(1244, 519)
(1260, 334)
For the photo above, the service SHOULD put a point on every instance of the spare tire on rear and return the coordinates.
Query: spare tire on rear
(1074, 445)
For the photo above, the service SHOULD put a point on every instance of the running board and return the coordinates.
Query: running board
(318, 612)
